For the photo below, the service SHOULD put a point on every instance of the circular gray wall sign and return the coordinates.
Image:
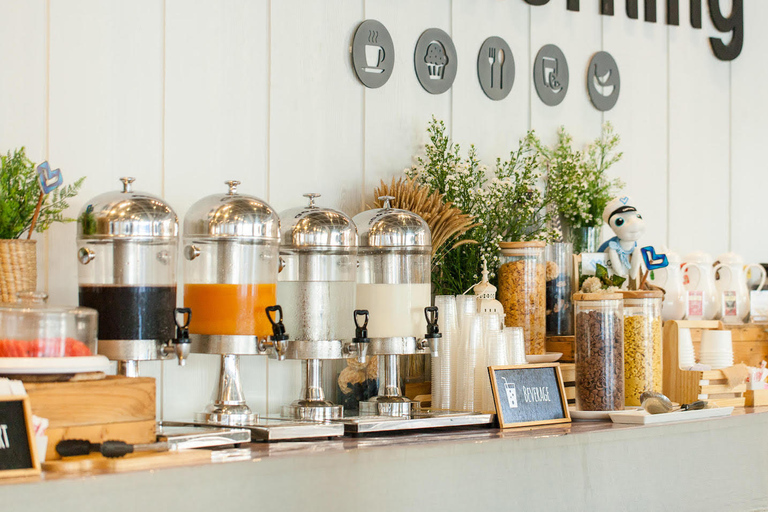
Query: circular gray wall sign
(496, 68)
(550, 75)
(603, 81)
(373, 54)
(435, 61)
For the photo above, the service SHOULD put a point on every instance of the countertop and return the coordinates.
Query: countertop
(713, 464)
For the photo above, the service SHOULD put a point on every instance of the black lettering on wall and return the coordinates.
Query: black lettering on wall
(606, 7)
(650, 10)
(696, 13)
(673, 12)
(734, 23)
(573, 5)
(537, 2)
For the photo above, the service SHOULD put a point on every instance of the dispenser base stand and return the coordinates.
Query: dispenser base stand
(313, 410)
(395, 406)
(230, 408)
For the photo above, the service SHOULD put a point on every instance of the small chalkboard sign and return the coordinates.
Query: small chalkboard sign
(531, 394)
(18, 448)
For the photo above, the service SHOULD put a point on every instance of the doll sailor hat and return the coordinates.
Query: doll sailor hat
(616, 206)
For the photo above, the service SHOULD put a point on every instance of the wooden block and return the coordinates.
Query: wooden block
(568, 370)
(414, 389)
(131, 432)
(112, 400)
(564, 344)
(131, 462)
(729, 402)
(570, 393)
(713, 389)
(756, 397)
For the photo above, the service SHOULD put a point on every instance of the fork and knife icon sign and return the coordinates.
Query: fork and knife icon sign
(496, 61)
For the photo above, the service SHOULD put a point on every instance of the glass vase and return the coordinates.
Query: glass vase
(585, 239)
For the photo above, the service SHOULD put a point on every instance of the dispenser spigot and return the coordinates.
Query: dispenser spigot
(359, 346)
(180, 345)
(277, 341)
(433, 330)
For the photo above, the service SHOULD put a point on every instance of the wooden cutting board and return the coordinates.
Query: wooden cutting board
(131, 462)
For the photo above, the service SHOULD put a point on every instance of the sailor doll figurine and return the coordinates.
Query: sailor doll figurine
(624, 254)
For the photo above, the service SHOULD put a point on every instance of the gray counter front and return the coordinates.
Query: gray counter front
(717, 464)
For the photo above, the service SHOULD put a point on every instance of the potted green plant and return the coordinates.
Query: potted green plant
(23, 211)
(579, 186)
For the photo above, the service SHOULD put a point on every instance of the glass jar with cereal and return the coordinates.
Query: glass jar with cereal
(599, 351)
(642, 344)
(522, 291)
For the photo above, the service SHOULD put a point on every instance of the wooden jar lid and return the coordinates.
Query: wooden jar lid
(597, 296)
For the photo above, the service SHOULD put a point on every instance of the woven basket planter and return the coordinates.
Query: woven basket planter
(18, 268)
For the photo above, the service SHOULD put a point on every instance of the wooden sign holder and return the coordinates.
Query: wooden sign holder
(31, 440)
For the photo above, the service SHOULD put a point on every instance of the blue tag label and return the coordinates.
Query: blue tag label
(49, 180)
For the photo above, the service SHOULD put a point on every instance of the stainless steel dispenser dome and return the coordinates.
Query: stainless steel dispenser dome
(127, 246)
(231, 244)
(394, 285)
(317, 288)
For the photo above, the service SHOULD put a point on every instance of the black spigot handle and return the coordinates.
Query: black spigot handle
(115, 449)
(182, 317)
(361, 331)
(433, 331)
(72, 447)
(278, 328)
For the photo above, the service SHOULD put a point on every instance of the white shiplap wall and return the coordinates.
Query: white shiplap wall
(184, 94)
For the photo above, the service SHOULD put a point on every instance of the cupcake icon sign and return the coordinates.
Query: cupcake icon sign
(436, 60)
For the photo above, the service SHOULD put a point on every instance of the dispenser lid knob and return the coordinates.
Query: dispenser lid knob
(312, 196)
(127, 184)
(386, 200)
(232, 186)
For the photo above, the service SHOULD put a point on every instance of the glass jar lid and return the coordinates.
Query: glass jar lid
(389, 227)
(578, 297)
(232, 215)
(127, 214)
(642, 294)
(314, 227)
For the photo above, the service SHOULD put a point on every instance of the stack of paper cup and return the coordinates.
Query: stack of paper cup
(493, 353)
(685, 356)
(442, 372)
(716, 349)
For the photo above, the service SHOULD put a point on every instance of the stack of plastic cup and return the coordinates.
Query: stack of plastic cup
(442, 365)
(466, 310)
(469, 350)
(494, 354)
(515, 343)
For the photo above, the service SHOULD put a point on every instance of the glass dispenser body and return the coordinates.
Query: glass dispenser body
(317, 289)
(228, 285)
(394, 285)
(127, 246)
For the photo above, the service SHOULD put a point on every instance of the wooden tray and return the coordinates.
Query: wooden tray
(131, 462)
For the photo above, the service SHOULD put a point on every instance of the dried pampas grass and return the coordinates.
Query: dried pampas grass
(445, 221)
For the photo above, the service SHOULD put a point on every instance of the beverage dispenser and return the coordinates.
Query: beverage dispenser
(317, 288)
(231, 244)
(127, 246)
(394, 286)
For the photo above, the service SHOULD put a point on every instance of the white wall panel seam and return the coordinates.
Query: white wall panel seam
(47, 249)
(669, 142)
(730, 156)
(269, 116)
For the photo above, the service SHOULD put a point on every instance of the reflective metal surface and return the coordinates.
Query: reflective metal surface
(312, 405)
(390, 406)
(232, 215)
(229, 408)
(418, 421)
(400, 345)
(391, 227)
(132, 350)
(127, 214)
(276, 429)
(333, 349)
(225, 344)
(314, 227)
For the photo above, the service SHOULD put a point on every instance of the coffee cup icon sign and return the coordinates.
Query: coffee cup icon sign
(374, 57)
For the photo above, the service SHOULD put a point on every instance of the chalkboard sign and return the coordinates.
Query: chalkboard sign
(18, 450)
(530, 394)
